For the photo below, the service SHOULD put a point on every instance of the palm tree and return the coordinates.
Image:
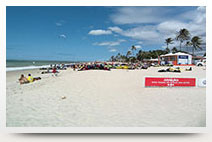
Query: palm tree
(188, 44)
(167, 50)
(128, 53)
(133, 48)
(196, 42)
(168, 41)
(123, 58)
(118, 57)
(139, 55)
(182, 35)
(112, 58)
(174, 50)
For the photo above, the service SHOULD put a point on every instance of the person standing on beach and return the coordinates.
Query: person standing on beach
(54, 71)
(74, 67)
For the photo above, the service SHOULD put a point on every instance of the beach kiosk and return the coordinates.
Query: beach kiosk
(178, 58)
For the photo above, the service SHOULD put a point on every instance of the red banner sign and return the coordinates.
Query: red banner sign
(169, 82)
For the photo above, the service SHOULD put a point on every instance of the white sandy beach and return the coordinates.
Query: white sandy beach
(98, 98)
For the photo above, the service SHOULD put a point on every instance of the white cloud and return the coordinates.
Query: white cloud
(100, 32)
(110, 43)
(171, 27)
(140, 42)
(132, 15)
(63, 36)
(60, 23)
(138, 46)
(145, 33)
(121, 40)
(161, 25)
(196, 25)
(115, 29)
(150, 14)
(112, 50)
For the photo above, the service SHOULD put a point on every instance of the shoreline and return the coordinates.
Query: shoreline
(9, 69)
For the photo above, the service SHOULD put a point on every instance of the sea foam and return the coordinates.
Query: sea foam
(25, 68)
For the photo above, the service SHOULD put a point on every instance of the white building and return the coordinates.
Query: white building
(178, 58)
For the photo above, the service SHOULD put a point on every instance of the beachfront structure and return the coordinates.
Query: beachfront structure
(178, 58)
(196, 59)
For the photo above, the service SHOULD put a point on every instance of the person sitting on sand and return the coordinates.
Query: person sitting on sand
(30, 78)
(23, 79)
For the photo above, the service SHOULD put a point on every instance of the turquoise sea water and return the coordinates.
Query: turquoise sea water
(24, 63)
(13, 65)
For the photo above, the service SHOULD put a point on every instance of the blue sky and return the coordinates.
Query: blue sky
(95, 33)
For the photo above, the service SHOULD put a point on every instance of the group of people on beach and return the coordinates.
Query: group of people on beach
(29, 79)
(93, 66)
(53, 69)
(79, 67)
(106, 66)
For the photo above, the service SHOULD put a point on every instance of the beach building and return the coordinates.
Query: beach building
(196, 59)
(178, 58)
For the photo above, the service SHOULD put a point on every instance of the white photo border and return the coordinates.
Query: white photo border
(5, 3)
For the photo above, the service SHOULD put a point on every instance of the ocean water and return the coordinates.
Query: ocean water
(13, 65)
